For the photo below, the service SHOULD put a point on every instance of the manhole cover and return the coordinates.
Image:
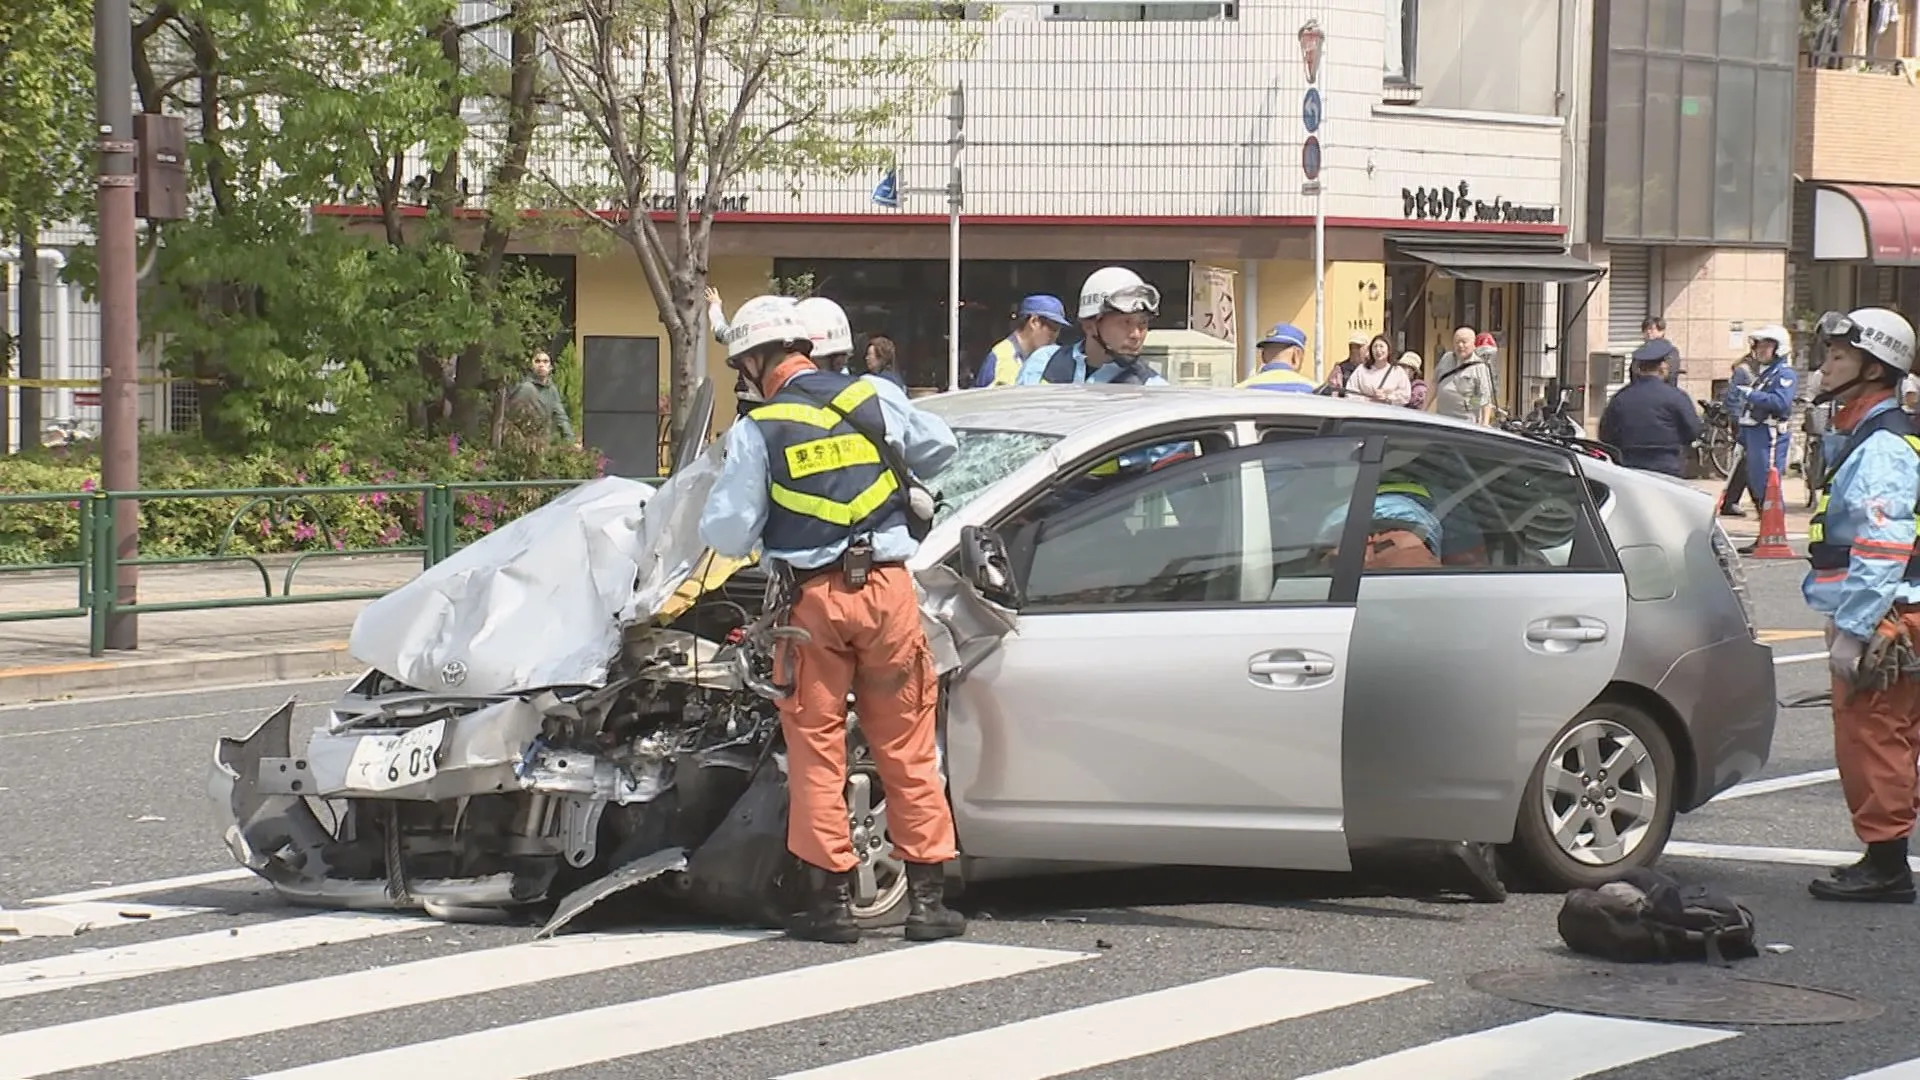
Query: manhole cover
(1710, 997)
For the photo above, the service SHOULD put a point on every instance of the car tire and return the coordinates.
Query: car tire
(1639, 826)
(873, 846)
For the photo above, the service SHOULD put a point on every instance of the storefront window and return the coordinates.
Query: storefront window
(906, 299)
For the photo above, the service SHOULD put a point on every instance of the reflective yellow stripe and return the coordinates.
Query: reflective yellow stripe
(1817, 525)
(835, 513)
(825, 455)
(846, 401)
(1105, 468)
(1417, 490)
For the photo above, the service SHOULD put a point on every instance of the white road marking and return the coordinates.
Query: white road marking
(1777, 783)
(95, 916)
(251, 1013)
(1799, 658)
(1902, 1070)
(572, 1040)
(1777, 856)
(142, 888)
(1120, 1030)
(1537, 1049)
(96, 966)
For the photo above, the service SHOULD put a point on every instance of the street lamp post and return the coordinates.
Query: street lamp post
(119, 303)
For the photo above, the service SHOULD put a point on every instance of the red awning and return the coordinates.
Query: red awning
(1885, 229)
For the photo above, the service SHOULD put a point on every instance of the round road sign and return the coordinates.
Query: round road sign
(1310, 158)
(1310, 110)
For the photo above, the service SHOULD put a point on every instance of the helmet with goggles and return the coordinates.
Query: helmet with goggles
(1880, 333)
(1117, 290)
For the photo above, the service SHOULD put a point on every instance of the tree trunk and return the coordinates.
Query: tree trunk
(687, 359)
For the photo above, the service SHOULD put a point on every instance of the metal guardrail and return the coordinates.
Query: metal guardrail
(97, 567)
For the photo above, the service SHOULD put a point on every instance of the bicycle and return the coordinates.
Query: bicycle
(1814, 425)
(1720, 444)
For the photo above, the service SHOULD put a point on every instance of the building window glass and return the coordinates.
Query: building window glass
(1399, 40)
(1155, 12)
(1626, 124)
(1733, 155)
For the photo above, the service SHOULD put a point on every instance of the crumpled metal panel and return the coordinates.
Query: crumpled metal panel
(962, 627)
(477, 756)
(513, 611)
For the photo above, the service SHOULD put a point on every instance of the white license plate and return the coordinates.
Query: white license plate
(386, 762)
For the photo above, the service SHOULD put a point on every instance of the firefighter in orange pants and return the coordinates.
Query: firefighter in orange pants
(1865, 578)
(820, 475)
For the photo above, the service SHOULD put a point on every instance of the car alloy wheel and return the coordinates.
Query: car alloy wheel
(880, 878)
(1600, 801)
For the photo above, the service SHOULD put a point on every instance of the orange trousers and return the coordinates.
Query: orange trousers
(1876, 742)
(867, 641)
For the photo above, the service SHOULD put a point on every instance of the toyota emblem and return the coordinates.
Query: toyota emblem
(454, 673)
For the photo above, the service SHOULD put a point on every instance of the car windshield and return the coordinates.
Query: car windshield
(984, 458)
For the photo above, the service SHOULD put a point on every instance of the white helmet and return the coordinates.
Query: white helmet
(1116, 288)
(1782, 341)
(765, 320)
(1878, 332)
(827, 325)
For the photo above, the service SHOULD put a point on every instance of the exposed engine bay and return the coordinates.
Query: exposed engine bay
(559, 759)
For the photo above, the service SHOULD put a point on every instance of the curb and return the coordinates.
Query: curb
(57, 682)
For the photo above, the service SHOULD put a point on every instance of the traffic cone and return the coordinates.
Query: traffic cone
(1773, 522)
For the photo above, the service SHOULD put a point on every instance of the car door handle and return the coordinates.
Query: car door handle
(1304, 668)
(1578, 629)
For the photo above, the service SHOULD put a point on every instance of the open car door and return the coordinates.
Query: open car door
(1174, 691)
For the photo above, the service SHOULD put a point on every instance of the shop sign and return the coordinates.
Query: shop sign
(662, 203)
(1457, 204)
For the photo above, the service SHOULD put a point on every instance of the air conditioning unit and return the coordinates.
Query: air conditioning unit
(1191, 358)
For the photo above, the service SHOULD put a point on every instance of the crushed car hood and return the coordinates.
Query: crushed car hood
(544, 601)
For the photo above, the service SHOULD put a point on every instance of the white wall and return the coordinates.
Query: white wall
(1488, 56)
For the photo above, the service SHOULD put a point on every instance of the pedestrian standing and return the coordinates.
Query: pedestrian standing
(1651, 421)
(821, 477)
(1865, 579)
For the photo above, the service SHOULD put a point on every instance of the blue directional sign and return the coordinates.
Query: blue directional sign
(887, 191)
(1310, 157)
(1310, 110)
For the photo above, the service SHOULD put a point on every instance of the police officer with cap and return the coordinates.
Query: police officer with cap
(1865, 579)
(821, 476)
(1651, 421)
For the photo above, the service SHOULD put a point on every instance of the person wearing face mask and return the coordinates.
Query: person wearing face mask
(1116, 308)
(1865, 578)
(816, 476)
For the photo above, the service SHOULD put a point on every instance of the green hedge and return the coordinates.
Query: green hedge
(50, 532)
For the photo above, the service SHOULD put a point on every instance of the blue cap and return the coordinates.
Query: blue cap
(1285, 334)
(1047, 307)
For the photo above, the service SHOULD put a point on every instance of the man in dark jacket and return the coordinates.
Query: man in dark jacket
(1650, 421)
(1658, 347)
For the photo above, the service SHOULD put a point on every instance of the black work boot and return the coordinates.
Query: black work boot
(928, 917)
(1883, 877)
(826, 909)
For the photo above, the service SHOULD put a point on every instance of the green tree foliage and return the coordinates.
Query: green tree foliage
(683, 98)
(46, 112)
(296, 326)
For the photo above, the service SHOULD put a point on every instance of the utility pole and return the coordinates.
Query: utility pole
(119, 301)
(30, 338)
(957, 140)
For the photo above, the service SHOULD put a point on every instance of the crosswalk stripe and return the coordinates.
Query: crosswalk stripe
(1558, 1046)
(1119, 1030)
(573, 1040)
(91, 915)
(1905, 1070)
(96, 966)
(140, 888)
(200, 1022)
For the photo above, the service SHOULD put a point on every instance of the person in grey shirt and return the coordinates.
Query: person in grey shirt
(538, 393)
(1463, 385)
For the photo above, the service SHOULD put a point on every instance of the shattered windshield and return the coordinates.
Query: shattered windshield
(984, 459)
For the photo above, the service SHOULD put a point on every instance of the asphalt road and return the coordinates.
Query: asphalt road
(105, 800)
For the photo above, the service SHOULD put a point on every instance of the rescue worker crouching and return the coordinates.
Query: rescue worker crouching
(830, 506)
(1280, 354)
(1116, 309)
(1404, 534)
(1865, 578)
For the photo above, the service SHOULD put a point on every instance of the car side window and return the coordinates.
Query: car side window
(1466, 506)
(1222, 529)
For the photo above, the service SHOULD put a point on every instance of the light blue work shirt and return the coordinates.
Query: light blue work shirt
(736, 510)
(1036, 366)
(1869, 508)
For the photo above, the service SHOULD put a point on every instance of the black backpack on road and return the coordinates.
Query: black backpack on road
(1646, 916)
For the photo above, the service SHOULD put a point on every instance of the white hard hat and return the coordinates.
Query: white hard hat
(765, 320)
(1878, 332)
(1116, 288)
(1782, 341)
(826, 324)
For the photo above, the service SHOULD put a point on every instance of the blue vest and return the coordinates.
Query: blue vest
(827, 481)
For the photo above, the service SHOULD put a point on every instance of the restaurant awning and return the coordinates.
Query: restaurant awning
(1874, 223)
(1531, 267)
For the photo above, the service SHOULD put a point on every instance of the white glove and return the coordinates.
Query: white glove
(1843, 656)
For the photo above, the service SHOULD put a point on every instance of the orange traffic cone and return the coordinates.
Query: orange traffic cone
(1773, 522)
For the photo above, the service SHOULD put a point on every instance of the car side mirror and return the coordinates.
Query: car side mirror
(986, 565)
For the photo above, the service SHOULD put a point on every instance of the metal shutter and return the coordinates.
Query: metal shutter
(1629, 287)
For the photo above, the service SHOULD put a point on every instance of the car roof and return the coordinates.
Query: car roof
(1061, 410)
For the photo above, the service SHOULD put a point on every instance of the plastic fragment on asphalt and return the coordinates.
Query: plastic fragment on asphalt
(1778, 948)
(71, 920)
